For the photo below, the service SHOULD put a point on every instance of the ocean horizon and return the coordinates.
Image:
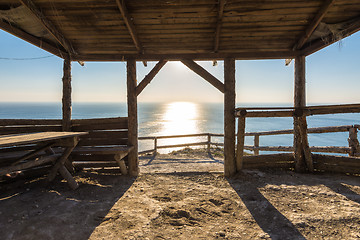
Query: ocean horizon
(177, 118)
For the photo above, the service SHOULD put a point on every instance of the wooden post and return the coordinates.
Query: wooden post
(353, 141)
(229, 117)
(132, 117)
(66, 99)
(155, 146)
(301, 146)
(240, 143)
(208, 142)
(256, 144)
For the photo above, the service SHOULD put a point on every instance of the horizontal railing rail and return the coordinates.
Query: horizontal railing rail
(255, 148)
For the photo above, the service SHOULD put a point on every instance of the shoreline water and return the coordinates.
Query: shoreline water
(176, 118)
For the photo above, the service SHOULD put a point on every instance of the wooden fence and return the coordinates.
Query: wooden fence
(351, 150)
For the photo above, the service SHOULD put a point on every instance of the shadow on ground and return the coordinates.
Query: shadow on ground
(32, 210)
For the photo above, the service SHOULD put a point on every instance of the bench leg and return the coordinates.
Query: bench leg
(120, 161)
(68, 177)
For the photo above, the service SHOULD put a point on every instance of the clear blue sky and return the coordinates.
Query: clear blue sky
(333, 76)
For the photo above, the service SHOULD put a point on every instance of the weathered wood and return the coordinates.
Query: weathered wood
(66, 99)
(353, 141)
(130, 26)
(305, 144)
(68, 177)
(183, 145)
(319, 44)
(102, 150)
(278, 157)
(60, 162)
(38, 42)
(337, 160)
(256, 144)
(97, 121)
(29, 129)
(95, 164)
(49, 26)
(221, 6)
(34, 153)
(299, 102)
(204, 74)
(21, 139)
(147, 79)
(90, 127)
(122, 166)
(229, 118)
(327, 149)
(243, 55)
(314, 23)
(272, 113)
(240, 143)
(132, 118)
(266, 165)
(29, 164)
(14, 122)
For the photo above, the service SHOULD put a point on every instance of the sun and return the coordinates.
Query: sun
(177, 65)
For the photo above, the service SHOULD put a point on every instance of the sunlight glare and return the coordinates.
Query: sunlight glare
(179, 118)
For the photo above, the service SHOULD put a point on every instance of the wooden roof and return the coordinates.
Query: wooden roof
(113, 30)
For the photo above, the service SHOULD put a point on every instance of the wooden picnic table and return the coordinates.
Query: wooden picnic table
(44, 141)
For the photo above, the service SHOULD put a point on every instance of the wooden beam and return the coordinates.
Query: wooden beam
(148, 78)
(229, 118)
(66, 99)
(132, 118)
(219, 24)
(204, 74)
(49, 26)
(194, 56)
(38, 42)
(314, 23)
(319, 44)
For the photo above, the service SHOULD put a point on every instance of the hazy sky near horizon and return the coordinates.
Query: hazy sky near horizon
(333, 76)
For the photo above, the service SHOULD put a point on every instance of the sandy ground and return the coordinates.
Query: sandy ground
(184, 196)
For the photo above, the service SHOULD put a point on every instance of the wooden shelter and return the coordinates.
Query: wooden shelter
(183, 30)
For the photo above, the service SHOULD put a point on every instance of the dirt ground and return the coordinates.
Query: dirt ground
(184, 196)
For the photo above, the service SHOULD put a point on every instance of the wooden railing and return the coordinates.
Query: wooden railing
(207, 141)
(352, 149)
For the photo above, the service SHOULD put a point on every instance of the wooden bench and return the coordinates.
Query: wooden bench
(106, 145)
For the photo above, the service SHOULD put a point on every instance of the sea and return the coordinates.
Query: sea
(178, 118)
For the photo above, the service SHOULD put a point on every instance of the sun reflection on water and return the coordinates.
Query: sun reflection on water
(179, 118)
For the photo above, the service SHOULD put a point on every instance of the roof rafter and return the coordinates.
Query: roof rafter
(319, 44)
(38, 42)
(314, 23)
(218, 24)
(49, 26)
(130, 26)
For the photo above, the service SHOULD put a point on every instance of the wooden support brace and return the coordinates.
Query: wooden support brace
(204, 74)
(59, 163)
(148, 78)
(314, 23)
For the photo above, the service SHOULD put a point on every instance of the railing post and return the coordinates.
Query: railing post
(240, 143)
(256, 144)
(155, 146)
(353, 141)
(208, 142)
